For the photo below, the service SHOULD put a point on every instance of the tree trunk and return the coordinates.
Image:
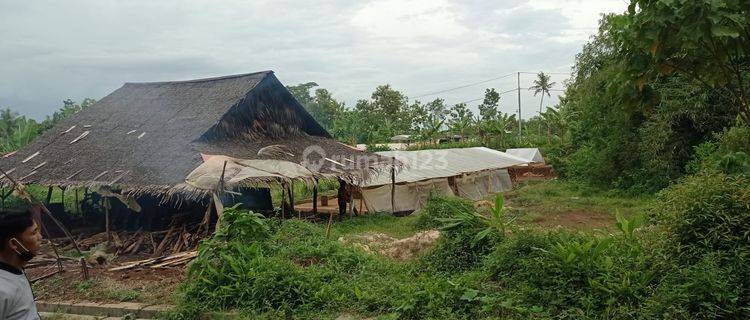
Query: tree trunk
(541, 101)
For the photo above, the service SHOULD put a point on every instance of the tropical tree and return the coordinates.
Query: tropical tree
(500, 126)
(460, 120)
(490, 104)
(705, 41)
(542, 85)
(554, 121)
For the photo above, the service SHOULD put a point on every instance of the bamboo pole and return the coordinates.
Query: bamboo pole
(46, 211)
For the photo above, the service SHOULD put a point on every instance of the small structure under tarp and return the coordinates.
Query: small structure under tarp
(532, 155)
(472, 173)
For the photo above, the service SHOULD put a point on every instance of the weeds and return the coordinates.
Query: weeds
(484, 266)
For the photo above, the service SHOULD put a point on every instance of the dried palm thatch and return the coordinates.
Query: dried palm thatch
(147, 137)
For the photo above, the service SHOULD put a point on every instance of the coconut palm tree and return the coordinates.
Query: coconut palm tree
(542, 85)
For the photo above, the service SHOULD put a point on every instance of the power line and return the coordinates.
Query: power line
(527, 72)
(461, 87)
(481, 82)
(499, 93)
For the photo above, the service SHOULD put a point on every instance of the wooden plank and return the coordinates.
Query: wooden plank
(160, 248)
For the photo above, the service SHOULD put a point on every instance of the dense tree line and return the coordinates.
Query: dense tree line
(18, 130)
(389, 112)
(653, 85)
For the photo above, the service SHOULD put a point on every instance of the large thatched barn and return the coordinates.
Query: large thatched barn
(147, 138)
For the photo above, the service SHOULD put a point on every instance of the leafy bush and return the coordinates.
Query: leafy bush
(728, 152)
(442, 207)
(705, 213)
(708, 289)
(262, 267)
(467, 236)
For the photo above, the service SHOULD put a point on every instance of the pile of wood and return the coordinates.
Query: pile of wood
(174, 260)
(176, 239)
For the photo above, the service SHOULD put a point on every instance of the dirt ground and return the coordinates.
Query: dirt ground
(146, 285)
(576, 220)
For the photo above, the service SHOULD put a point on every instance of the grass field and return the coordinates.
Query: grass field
(553, 203)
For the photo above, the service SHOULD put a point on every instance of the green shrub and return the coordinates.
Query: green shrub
(466, 235)
(708, 289)
(728, 152)
(569, 275)
(705, 213)
(441, 207)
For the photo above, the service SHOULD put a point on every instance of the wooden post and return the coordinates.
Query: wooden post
(107, 222)
(206, 222)
(77, 203)
(291, 199)
(49, 195)
(351, 202)
(84, 268)
(315, 196)
(393, 185)
(219, 208)
(361, 202)
(330, 222)
(283, 200)
(62, 197)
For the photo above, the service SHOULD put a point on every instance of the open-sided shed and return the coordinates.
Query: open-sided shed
(147, 137)
(472, 173)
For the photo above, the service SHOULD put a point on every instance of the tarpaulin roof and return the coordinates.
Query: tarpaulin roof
(440, 163)
(240, 172)
(532, 155)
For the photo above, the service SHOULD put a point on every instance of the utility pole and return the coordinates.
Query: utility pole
(519, 104)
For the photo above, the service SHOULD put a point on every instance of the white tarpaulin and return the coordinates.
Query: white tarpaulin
(532, 155)
(241, 172)
(442, 163)
(408, 197)
(478, 172)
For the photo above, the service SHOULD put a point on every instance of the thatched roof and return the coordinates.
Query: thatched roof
(147, 137)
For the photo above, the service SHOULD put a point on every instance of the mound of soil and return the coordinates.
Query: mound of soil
(399, 249)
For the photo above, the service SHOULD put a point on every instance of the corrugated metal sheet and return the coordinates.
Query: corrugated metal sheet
(430, 164)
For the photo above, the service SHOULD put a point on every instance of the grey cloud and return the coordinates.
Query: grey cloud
(53, 50)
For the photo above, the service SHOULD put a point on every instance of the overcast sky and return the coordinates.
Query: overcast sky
(53, 50)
